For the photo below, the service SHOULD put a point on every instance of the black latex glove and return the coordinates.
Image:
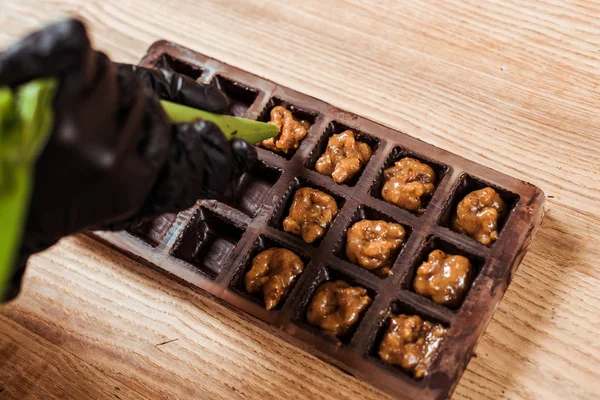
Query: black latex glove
(113, 158)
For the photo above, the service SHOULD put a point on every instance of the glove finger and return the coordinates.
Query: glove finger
(215, 153)
(244, 157)
(199, 166)
(51, 51)
(170, 85)
(202, 164)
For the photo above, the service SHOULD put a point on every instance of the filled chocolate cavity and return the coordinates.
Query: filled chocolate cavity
(408, 183)
(371, 244)
(445, 278)
(478, 215)
(273, 272)
(336, 307)
(310, 214)
(291, 131)
(344, 157)
(411, 343)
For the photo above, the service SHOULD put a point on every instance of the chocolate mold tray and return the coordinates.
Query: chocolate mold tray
(211, 246)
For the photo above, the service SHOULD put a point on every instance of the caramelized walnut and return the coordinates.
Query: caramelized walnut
(411, 343)
(478, 214)
(311, 214)
(291, 131)
(344, 157)
(273, 272)
(371, 244)
(408, 183)
(444, 278)
(337, 306)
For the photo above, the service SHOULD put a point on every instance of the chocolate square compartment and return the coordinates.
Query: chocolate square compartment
(251, 191)
(398, 153)
(334, 128)
(240, 95)
(467, 184)
(436, 243)
(207, 242)
(166, 61)
(231, 234)
(364, 212)
(330, 274)
(153, 231)
(299, 113)
(262, 243)
(398, 307)
(283, 208)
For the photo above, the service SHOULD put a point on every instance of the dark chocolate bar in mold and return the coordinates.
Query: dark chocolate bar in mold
(211, 246)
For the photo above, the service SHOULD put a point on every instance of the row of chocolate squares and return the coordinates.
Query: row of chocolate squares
(371, 244)
(344, 157)
(336, 306)
(407, 184)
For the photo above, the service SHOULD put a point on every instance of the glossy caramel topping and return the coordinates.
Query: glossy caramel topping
(311, 214)
(371, 244)
(337, 306)
(411, 343)
(408, 183)
(273, 272)
(444, 278)
(344, 157)
(291, 131)
(478, 214)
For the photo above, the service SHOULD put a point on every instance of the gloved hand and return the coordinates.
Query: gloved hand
(113, 158)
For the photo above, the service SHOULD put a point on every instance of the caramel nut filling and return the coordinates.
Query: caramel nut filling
(291, 131)
(408, 183)
(272, 273)
(310, 215)
(371, 244)
(344, 157)
(444, 278)
(411, 343)
(336, 307)
(478, 214)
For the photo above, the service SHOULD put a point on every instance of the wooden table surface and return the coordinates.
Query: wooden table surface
(511, 84)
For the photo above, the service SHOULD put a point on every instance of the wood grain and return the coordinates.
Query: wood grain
(511, 84)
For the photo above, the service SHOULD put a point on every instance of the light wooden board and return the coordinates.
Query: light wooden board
(511, 84)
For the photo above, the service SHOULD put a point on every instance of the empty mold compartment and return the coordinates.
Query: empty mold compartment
(241, 96)
(298, 113)
(397, 154)
(261, 244)
(208, 242)
(468, 184)
(367, 213)
(251, 191)
(153, 231)
(334, 128)
(166, 61)
(396, 308)
(282, 209)
(330, 274)
(436, 243)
